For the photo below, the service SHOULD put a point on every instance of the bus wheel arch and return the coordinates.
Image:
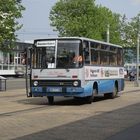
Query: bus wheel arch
(95, 89)
(115, 90)
(89, 99)
(50, 100)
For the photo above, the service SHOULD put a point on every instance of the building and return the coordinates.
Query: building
(12, 62)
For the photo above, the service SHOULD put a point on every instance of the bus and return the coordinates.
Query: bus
(75, 67)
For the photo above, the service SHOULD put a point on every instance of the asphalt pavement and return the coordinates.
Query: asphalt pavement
(33, 119)
(15, 83)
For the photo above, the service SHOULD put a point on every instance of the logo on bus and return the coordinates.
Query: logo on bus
(94, 72)
(121, 71)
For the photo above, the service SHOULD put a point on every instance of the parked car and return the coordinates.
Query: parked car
(19, 73)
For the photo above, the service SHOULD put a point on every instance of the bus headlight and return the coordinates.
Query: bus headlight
(35, 83)
(75, 83)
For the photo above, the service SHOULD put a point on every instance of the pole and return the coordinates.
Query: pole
(137, 78)
(137, 64)
(108, 34)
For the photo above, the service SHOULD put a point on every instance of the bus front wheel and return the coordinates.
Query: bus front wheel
(91, 98)
(50, 100)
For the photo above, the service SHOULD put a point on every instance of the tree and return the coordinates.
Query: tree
(130, 31)
(85, 18)
(129, 36)
(10, 10)
(134, 29)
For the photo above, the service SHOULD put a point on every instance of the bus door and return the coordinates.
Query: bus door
(29, 52)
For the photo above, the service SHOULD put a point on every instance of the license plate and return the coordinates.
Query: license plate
(55, 89)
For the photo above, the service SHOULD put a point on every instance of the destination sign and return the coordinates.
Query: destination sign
(45, 43)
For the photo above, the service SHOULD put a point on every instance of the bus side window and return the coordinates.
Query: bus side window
(104, 58)
(94, 56)
(86, 52)
(95, 53)
(119, 57)
(112, 59)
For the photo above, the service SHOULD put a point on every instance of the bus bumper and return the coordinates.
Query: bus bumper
(56, 91)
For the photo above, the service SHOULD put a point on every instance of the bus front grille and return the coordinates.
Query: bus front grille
(68, 83)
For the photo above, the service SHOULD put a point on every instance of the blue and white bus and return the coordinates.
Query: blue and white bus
(75, 66)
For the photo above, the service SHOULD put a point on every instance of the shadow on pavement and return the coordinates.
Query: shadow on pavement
(112, 125)
(68, 101)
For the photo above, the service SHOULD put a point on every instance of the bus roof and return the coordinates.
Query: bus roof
(81, 38)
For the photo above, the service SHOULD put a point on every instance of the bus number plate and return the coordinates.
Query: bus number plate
(55, 89)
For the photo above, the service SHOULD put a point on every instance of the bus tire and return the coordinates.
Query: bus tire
(77, 98)
(91, 98)
(50, 100)
(113, 94)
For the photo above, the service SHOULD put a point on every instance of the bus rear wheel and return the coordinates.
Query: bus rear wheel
(50, 100)
(113, 94)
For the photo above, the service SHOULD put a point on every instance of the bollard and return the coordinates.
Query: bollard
(2, 83)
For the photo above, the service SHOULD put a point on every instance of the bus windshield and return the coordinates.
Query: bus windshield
(62, 54)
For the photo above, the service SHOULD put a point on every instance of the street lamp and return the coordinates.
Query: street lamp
(137, 64)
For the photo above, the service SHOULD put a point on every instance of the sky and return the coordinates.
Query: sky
(36, 23)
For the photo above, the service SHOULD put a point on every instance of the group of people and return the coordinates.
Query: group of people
(131, 75)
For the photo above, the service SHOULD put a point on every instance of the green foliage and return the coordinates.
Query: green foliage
(130, 31)
(85, 18)
(10, 10)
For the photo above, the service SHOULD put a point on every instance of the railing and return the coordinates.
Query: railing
(11, 69)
